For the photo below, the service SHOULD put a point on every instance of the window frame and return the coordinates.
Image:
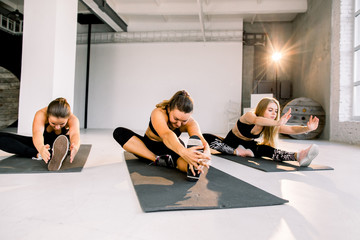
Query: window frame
(356, 82)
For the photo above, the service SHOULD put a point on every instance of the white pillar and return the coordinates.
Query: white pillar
(48, 58)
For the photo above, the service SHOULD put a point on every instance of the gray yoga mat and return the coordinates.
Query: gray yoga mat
(164, 189)
(17, 164)
(272, 166)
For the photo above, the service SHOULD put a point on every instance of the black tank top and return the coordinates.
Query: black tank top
(49, 137)
(176, 130)
(245, 129)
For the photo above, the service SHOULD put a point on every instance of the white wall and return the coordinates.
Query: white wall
(128, 80)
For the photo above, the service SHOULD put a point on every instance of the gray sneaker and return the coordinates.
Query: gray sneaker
(59, 151)
(164, 161)
(193, 141)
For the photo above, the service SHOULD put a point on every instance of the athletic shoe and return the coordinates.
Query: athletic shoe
(59, 152)
(39, 158)
(164, 161)
(312, 153)
(190, 177)
(193, 141)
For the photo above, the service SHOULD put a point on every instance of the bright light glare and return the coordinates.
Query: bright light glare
(276, 57)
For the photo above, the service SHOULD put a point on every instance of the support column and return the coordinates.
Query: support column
(48, 58)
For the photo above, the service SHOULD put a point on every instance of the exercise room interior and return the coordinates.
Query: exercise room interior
(139, 54)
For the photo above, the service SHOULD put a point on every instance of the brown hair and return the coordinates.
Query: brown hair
(270, 133)
(59, 108)
(181, 100)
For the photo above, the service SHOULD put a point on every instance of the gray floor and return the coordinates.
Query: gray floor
(100, 202)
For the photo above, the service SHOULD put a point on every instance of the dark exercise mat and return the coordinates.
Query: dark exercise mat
(17, 164)
(163, 189)
(272, 166)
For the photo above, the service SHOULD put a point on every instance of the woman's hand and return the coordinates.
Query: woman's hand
(285, 118)
(45, 153)
(195, 158)
(313, 123)
(73, 151)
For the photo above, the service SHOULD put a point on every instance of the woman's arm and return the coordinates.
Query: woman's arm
(251, 118)
(169, 138)
(159, 121)
(74, 134)
(38, 129)
(193, 128)
(311, 125)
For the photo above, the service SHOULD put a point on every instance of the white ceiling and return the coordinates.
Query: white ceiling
(165, 15)
(185, 15)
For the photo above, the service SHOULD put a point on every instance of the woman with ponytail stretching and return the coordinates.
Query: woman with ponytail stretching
(161, 143)
(56, 130)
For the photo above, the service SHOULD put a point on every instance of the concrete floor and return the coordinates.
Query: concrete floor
(100, 202)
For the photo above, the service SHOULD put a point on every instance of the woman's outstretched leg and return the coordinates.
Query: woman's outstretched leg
(304, 157)
(17, 144)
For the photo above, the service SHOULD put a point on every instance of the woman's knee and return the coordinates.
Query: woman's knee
(122, 135)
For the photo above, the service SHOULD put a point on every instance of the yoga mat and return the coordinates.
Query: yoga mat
(272, 166)
(164, 189)
(17, 164)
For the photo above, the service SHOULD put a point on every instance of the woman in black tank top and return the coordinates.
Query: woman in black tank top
(266, 122)
(49, 122)
(161, 143)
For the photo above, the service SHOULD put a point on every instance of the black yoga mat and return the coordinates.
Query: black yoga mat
(164, 189)
(268, 165)
(17, 164)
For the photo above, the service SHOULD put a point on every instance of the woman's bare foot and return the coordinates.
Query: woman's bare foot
(242, 152)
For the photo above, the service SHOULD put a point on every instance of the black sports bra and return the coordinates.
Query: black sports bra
(245, 129)
(176, 130)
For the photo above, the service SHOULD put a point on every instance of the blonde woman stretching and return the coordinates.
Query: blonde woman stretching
(265, 122)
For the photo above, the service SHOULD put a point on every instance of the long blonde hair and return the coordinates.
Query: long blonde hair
(270, 133)
(181, 101)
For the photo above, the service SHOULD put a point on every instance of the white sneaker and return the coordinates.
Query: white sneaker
(312, 153)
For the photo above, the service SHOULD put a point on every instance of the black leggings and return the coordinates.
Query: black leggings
(23, 145)
(259, 150)
(122, 136)
(232, 141)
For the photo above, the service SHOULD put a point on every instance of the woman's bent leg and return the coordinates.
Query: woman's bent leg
(217, 143)
(133, 143)
(17, 144)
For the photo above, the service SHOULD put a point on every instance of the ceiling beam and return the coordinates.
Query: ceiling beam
(102, 9)
(213, 7)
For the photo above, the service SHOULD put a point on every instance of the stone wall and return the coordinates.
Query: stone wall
(9, 98)
(312, 59)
